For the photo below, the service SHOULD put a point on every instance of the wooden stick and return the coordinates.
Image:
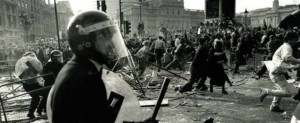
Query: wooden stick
(161, 97)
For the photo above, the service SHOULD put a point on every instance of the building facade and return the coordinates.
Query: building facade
(30, 20)
(64, 13)
(9, 25)
(271, 16)
(155, 14)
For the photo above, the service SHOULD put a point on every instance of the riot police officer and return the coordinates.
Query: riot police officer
(79, 93)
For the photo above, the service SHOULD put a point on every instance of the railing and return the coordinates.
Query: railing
(14, 108)
(7, 68)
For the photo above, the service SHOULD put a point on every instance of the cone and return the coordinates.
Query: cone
(154, 80)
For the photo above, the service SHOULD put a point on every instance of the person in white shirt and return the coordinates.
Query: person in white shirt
(177, 41)
(282, 61)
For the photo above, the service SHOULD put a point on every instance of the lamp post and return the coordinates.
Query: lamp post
(121, 15)
(140, 11)
(57, 27)
(26, 21)
(141, 24)
(246, 12)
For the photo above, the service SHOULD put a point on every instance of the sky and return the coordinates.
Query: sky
(241, 5)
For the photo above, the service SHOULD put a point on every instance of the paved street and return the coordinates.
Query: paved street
(241, 105)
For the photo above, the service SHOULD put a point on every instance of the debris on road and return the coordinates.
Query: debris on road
(209, 120)
(181, 104)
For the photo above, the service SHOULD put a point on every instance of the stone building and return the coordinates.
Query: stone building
(271, 16)
(64, 13)
(170, 14)
(9, 21)
(30, 20)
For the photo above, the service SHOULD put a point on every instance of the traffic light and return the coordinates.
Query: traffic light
(102, 5)
(127, 25)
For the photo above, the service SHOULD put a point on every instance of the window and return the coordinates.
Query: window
(167, 10)
(14, 22)
(173, 11)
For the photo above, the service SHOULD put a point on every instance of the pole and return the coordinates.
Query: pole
(2, 106)
(140, 11)
(103, 6)
(57, 28)
(121, 21)
(163, 91)
(98, 5)
(246, 19)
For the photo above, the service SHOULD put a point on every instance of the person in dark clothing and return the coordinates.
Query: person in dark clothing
(40, 55)
(67, 54)
(296, 54)
(178, 57)
(198, 68)
(79, 94)
(216, 58)
(53, 66)
(272, 46)
(239, 54)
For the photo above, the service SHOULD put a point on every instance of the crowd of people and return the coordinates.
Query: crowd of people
(278, 46)
(12, 51)
(206, 51)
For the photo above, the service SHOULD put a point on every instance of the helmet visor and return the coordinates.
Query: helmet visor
(110, 44)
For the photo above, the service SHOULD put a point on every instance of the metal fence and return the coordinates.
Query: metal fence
(15, 101)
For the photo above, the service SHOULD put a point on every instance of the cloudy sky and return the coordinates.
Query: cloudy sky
(241, 4)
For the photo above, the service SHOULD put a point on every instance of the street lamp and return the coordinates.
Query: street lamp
(57, 27)
(141, 24)
(26, 21)
(140, 11)
(121, 15)
(246, 12)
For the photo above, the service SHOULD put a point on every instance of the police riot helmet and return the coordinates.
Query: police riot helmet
(95, 35)
(56, 56)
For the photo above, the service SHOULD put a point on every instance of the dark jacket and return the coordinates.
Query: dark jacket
(79, 94)
(54, 68)
(200, 59)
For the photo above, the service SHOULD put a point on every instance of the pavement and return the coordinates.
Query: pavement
(241, 105)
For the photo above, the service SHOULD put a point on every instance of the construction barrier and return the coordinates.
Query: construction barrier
(15, 102)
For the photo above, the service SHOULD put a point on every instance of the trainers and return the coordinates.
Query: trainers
(204, 88)
(30, 116)
(263, 95)
(236, 72)
(276, 109)
(187, 87)
(257, 77)
(224, 92)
